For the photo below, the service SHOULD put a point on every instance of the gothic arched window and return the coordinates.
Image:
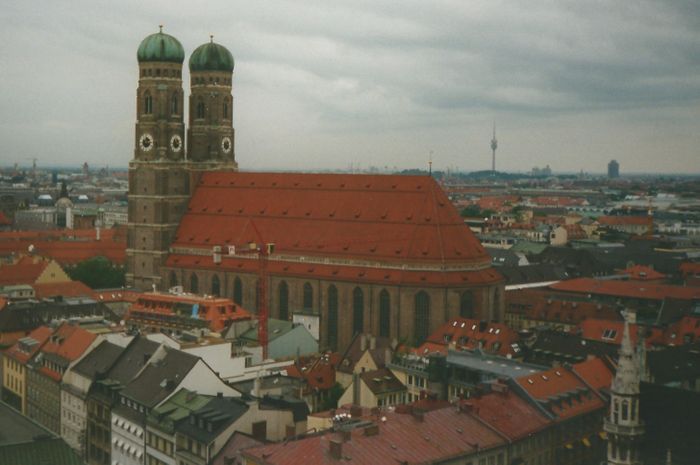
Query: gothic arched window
(225, 109)
(358, 311)
(238, 291)
(200, 110)
(173, 279)
(174, 105)
(283, 301)
(384, 314)
(332, 317)
(194, 284)
(308, 301)
(421, 317)
(148, 104)
(215, 286)
(466, 305)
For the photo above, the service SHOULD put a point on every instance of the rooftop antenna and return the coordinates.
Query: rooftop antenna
(160, 26)
(494, 146)
(211, 38)
(430, 164)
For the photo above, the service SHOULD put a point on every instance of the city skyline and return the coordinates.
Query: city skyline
(319, 87)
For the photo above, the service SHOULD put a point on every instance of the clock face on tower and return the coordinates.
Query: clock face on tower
(176, 143)
(226, 144)
(146, 142)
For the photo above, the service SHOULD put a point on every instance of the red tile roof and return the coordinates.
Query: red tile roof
(375, 219)
(68, 342)
(443, 433)
(629, 289)
(318, 371)
(471, 334)
(595, 372)
(611, 332)
(541, 306)
(64, 289)
(17, 352)
(25, 271)
(68, 246)
(508, 413)
(625, 220)
(563, 393)
(4, 220)
(689, 269)
(643, 273)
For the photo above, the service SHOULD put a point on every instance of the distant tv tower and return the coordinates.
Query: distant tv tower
(494, 146)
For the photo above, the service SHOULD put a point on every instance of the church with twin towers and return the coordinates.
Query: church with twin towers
(386, 255)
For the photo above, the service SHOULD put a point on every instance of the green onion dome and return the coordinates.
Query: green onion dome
(211, 57)
(160, 47)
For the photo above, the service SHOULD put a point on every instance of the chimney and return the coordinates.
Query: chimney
(387, 356)
(363, 342)
(372, 342)
(355, 389)
(371, 430)
(355, 410)
(466, 407)
(336, 449)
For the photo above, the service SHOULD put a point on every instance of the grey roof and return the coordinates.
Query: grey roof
(499, 366)
(132, 359)
(159, 379)
(98, 361)
(24, 442)
(219, 411)
(536, 273)
(503, 257)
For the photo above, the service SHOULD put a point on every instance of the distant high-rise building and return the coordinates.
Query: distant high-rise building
(494, 146)
(613, 169)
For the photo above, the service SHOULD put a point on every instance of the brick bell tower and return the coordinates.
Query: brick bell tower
(159, 184)
(210, 141)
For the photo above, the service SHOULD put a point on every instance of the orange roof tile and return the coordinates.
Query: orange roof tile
(630, 289)
(64, 289)
(23, 272)
(624, 220)
(376, 219)
(18, 352)
(643, 273)
(471, 334)
(595, 372)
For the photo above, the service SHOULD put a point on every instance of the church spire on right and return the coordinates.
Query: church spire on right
(623, 424)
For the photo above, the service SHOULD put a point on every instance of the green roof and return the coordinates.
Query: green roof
(41, 452)
(176, 408)
(160, 47)
(211, 57)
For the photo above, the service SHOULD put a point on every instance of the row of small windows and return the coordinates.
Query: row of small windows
(202, 110)
(421, 306)
(157, 72)
(212, 80)
(148, 104)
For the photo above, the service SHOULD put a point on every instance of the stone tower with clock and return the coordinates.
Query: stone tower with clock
(162, 171)
(210, 132)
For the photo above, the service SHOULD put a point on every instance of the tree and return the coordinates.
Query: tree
(98, 273)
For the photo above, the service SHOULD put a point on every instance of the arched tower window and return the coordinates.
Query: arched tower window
(384, 313)
(466, 305)
(332, 317)
(421, 328)
(308, 300)
(174, 105)
(173, 279)
(358, 311)
(194, 284)
(148, 104)
(283, 301)
(200, 110)
(238, 291)
(225, 116)
(215, 286)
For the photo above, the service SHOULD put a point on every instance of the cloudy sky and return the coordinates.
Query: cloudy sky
(330, 85)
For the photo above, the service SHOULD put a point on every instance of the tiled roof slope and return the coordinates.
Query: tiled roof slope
(25, 348)
(381, 219)
(443, 433)
(629, 289)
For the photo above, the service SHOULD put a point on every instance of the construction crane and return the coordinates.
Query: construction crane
(263, 251)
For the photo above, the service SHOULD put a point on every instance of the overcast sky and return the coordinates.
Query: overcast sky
(324, 84)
